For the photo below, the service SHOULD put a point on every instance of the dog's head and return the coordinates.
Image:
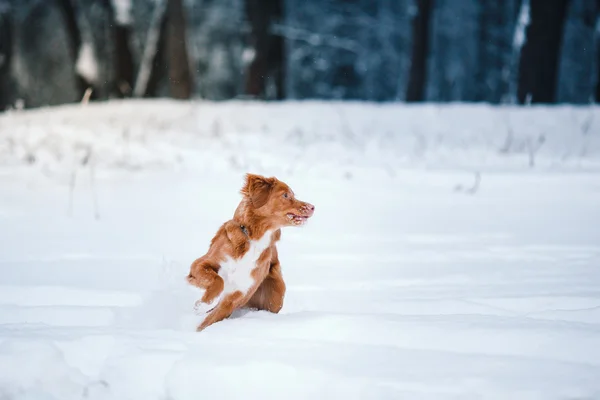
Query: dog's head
(274, 200)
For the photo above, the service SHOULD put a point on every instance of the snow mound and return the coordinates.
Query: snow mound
(37, 370)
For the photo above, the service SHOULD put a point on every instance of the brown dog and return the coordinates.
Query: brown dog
(241, 267)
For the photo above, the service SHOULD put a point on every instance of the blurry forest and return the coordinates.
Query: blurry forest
(494, 51)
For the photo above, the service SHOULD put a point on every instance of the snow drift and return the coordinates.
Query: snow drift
(336, 139)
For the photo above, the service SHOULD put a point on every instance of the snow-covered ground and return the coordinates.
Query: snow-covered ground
(311, 139)
(410, 282)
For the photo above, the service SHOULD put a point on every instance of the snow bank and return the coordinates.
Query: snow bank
(322, 139)
(37, 370)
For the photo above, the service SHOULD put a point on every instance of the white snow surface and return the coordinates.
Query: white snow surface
(406, 284)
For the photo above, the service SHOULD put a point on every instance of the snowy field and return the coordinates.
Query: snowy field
(413, 280)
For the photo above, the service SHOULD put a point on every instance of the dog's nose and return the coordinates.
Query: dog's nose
(310, 207)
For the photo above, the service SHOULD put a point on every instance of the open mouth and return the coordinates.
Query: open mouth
(297, 219)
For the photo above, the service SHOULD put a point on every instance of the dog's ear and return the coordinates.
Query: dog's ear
(257, 188)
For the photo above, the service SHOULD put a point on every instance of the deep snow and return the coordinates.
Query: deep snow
(403, 285)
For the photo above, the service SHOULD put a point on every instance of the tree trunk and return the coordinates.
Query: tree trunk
(148, 75)
(577, 60)
(180, 77)
(123, 59)
(267, 61)
(538, 69)
(598, 72)
(277, 54)
(497, 20)
(158, 70)
(70, 17)
(5, 58)
(420, 50)
(597, 33)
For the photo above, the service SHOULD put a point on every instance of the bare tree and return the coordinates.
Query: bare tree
(123, 68)
(577, 59)
(497, 21)
(146, 77)
(266, 65)
(180, 77)
(518, 39)
(453, 59)
(70, 20)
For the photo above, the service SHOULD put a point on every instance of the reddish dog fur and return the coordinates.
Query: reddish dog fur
(241, 268)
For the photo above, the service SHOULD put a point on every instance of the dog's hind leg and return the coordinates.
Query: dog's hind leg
(269, 295)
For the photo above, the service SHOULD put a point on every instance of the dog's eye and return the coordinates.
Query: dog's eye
(285, 195)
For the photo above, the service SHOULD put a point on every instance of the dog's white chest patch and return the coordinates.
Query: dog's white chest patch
(236, 274)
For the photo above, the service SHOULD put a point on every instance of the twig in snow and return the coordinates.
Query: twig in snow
(473, 189)
(587, 124)
(93, 188)
(71, 190)
(509, 136)
(86, 96)
(86, 159)
(533, 147)
(91, 385)
(585, 127)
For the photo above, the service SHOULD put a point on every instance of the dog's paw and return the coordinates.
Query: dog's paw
(200, 307)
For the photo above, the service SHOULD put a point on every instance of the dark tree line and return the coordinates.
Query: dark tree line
(509, 51)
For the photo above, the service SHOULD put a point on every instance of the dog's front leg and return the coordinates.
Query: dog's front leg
(204, 275)
(223, 310)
